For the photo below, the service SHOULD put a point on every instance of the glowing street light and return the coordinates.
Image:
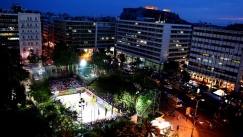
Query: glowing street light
(82, 63)
(197, 104)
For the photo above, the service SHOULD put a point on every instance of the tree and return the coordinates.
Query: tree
(137, 61)
(33, 58)
(149, 129)
(64, 55)
(143, 103)
(185, 76)
(126, 99)
(60, 119)
(11, 75)
(40, 92)
(126, 128)
(122, 58)
(100, 59)
(113, 83)
(106, 131)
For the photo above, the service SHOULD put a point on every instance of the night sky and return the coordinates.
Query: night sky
(219, 12)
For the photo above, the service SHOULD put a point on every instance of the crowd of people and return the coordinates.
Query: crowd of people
(64, 84)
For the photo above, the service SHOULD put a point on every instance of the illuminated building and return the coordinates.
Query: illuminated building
(151, 7)
(151, 40)
(83, 33)
(9, 30)
(20, 31)
(29, 34)
(216, 57)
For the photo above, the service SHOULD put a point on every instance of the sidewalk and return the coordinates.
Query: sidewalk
(185, 126)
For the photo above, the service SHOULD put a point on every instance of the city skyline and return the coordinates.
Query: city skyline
(217, 12)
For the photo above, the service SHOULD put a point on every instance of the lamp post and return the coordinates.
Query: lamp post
(194, 123)
(81, 116)
(197, 104)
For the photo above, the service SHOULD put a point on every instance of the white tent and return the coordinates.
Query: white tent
(220, 92)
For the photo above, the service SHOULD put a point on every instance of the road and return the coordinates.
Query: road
(220, 129)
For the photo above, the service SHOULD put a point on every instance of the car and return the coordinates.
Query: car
(168, 86)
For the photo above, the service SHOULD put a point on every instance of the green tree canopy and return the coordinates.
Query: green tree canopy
(40, 91)
(122, 58)
(11, 74)
(113, 83)
(64, 55)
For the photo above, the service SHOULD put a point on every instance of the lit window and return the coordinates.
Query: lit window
(139, 32)
(90, 31)
(74, 30)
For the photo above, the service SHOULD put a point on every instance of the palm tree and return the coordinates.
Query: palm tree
(107, 130)
(138, 61)
(149, 129)
(122, 59)
(126, 128)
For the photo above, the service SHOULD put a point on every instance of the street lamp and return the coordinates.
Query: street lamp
(197, 104)
(194, 123)
(82, 63)
(81, 105)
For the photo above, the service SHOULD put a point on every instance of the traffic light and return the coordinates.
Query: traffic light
(188, 110)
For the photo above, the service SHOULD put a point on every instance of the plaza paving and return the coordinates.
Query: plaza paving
(91, 112)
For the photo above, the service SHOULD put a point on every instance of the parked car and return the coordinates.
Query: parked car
(168, 86)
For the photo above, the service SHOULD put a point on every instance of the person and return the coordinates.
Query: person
(86, 103)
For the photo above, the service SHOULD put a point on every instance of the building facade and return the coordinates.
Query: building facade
(9, 34)
(153, 42)
(216, 57)
(85, 34)
(29, 25)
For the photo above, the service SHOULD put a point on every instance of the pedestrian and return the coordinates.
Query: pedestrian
(86, 103)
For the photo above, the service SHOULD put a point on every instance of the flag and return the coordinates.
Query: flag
(98, 112)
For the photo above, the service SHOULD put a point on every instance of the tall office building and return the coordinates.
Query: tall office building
(20, 30)
(29, 34)
(153, 41)
(84, 33)
(9, 33)
(216, 57)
